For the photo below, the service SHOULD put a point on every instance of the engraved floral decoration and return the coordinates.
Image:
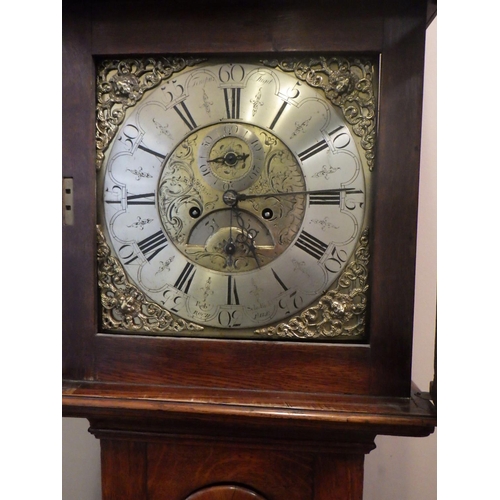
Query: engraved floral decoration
(182, 189)
(124, 306)
(340, 312)
(121, 84)
(348, 83)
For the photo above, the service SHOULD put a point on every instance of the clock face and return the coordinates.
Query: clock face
(233, 195)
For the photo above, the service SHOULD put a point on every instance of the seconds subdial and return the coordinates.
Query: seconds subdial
(230, 156)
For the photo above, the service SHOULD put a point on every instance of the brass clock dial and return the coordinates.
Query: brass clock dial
(233, 195)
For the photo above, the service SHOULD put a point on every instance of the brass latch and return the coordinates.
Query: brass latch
(68, 212)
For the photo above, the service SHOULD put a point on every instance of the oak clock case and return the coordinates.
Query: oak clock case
(233, 196)
(223, 339)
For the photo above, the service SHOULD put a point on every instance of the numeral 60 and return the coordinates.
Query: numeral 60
(233, 73)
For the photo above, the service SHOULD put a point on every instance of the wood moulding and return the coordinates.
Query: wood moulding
(201, 413)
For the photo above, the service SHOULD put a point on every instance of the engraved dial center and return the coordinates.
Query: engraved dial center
(203, 202)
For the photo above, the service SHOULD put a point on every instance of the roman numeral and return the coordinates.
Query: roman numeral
(278, 279)
(141, 199)
(311, 245)
(321, 145)
(185, 278)
(232, 99)
(325, 199)
(151, 152)
(278, 115)
(340, 127)
(185, 115)
(151, 246)
(136, 199)
(232, 292)
(307, 153)
(331, 197)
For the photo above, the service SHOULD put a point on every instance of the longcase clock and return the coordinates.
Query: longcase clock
(239, 256)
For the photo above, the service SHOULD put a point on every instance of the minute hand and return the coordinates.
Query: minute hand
(242, 197)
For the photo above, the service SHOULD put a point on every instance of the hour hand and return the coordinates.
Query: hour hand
(230, 159)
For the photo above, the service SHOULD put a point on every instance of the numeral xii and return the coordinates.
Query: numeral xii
(232, 98)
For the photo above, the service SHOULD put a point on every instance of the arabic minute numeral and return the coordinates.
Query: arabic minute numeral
(229, 319)
(231, 73)
(129, 136)
(334, 263)
(177, 91)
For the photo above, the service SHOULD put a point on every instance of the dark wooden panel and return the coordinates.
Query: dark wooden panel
(219, 27)
(264, 365)
(339, 477)
(78, 240)
(177, 470)
(395, 209)
(123, 470)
